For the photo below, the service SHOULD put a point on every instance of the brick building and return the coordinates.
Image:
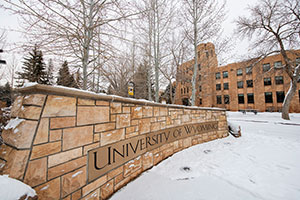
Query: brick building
(237, 86)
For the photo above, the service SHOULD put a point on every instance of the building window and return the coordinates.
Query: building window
(181, 91)
(278, 80)
(207, 54)
(280, 96)
(299, 95)
(249, 83)
(249, 70)
(187, 90)
(226, 99)
(218, 75)
(219, 99)
(268, 97)
(225, 74)
(184, 90)
(239, 72)
(226, 86)
(200, 101)
(250, 98)
(277, 65)
(198, 54)
(240, 84)
(298, 60)
(266, 67)
(267, 81)
(200, 88)
(218, 86)
(241, 98)
(199, 78)
(199, 67)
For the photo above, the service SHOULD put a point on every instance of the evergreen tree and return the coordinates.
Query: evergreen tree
(140, 80)
(166, 94)
(65, 78)
(6, 94)
(49, 72)
(34, 68)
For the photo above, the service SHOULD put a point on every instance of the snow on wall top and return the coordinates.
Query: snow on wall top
(73, 92)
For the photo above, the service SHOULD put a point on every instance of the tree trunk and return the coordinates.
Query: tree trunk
(288, 98)
(195, 55)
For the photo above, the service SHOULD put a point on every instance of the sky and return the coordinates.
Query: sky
(10, 23)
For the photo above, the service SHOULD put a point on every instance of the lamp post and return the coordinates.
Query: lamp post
(131, 89)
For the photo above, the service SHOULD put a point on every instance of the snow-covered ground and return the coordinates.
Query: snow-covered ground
(262, 164)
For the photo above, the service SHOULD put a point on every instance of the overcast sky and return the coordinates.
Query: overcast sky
(234, 9)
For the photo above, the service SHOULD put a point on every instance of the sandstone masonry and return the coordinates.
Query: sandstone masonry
(56, 128)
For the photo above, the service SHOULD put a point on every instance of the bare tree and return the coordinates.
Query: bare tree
(204, 21)
(275, 24)
(70, 27)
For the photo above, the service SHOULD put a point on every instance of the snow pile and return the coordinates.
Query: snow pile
(13, 123)
(12, 189)
(263, 164)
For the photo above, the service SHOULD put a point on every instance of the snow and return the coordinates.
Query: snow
(13, 123)
(76, 174)
(29, 84)
(263, 164)
(12, 189)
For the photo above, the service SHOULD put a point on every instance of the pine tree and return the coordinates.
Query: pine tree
(140, 80)
(34, 68)
(49, 72)
(6, 94)
(65, 78)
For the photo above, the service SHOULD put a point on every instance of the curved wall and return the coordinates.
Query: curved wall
(71, 144)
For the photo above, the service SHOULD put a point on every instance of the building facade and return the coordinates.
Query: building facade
(245, 85)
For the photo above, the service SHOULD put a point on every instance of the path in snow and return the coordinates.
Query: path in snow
(263, 164)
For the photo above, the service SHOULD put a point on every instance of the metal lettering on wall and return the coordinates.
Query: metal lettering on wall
(103, 159)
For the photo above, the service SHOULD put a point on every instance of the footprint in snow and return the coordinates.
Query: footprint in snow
(207, 151)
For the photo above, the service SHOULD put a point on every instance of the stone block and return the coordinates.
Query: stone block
(112, 136)
(157, 158)
(137, 112)
(156, 111)
(78, 136)
(155, 126)
(22, 135)
(144, 125)
(131, 129)
(147, 160)
(57, 106)
(42, 150)
(62, 122)
(132, 166)
(90, 147)
(114, 173)
(115, 108)
(130, 135)
(168, 152)
(107, 189)
(105, 127)
(36, 172)
(96, 137)
(123, 120)
(102, 103)
(66, 167)
(85, 102)
(147, 111)
(28, 112)
(160, 119)
(16, 161)
(95, 195)
(94, 185)
(163, 111)
(49, 190)
(76, 195)
(64, 157)
(16, 106)
(55, 135)
(34, 99)
(126, 110)
(92, 115)
(42, 132)
(122, 182)
(73, 181)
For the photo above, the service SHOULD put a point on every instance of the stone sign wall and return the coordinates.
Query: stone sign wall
(72, 144)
